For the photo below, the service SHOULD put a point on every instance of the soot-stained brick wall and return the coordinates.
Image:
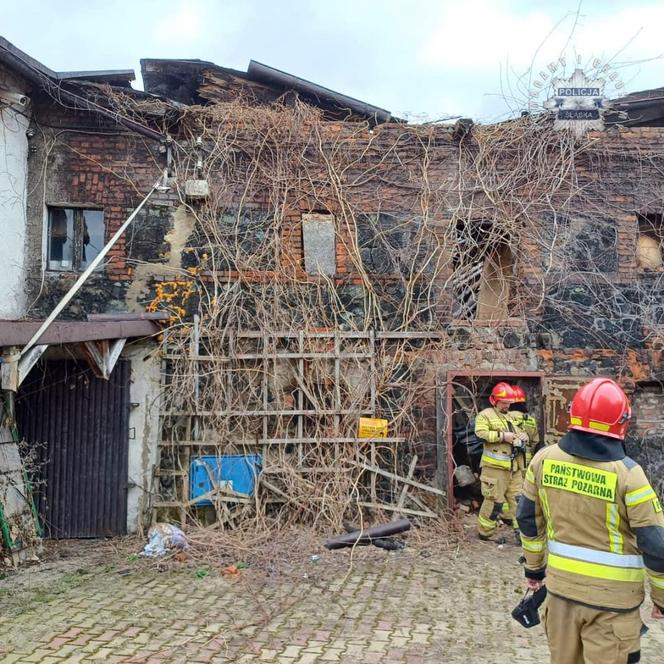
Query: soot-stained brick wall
(584, 308)
(80, 159)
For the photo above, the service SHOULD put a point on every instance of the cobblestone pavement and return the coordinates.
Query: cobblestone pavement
(388, 607)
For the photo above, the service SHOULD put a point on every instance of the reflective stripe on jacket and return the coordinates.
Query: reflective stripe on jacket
(595, 527)
(490, 424)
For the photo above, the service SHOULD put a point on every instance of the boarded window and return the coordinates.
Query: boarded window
(75, 237)
(495, 285)
(320, 246)
(649, 242)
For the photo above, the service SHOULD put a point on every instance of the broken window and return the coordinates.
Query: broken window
(394, 244)
(649, 242)
(319, 242)
(75, 237)
(482, 273)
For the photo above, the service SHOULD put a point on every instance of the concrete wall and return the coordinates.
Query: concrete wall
(14, 121)
(143, 431)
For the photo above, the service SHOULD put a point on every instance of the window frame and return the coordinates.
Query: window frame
(78, 212)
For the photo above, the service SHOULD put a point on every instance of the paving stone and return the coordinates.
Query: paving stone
(401, 609)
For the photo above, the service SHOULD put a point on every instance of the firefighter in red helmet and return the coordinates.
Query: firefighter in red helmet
(525, 421)
(502, 462)
(593, 526)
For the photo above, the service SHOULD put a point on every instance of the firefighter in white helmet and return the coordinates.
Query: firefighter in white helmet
(592, 529)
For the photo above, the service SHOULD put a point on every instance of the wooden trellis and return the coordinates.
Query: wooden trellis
(308, 414)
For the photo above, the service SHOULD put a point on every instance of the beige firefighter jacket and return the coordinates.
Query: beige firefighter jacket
(595, 528)
(490, 425)
(527, 423)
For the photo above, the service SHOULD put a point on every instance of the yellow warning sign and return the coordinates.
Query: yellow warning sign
(372, 427)
(584, 480)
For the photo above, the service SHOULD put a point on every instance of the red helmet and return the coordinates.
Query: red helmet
(519, 394)
(601, 406)
(502, 392)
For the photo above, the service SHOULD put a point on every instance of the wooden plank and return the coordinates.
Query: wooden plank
(404, 489)
(222, 494)
(280, 441)
(372, 375)
(271, 487)
(412, 335)
(301, 392)
(299, 377)
(393, 508)
(399, 478)
(346, 335)
(260, 413)
(414, 499)
(337, 386)
(265, 383)
(270, 356)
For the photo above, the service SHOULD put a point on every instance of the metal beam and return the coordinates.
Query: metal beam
(90, 269)
(27, 361)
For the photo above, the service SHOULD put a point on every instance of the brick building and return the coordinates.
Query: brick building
(470, 253)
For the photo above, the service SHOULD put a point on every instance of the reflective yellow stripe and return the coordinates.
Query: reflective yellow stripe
(487, 524)
(499, 463)
(547, 515)
(656, 581)
(576, 420)
(534, 546)
(613, 526)
(530, 476)
(598, 426)
(595, 570)
(641, 495)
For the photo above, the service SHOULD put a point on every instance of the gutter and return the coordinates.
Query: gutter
(51, 81)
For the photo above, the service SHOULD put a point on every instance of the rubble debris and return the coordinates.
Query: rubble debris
(163, 538)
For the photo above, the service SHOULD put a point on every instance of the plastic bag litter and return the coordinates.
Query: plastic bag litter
(162, 538)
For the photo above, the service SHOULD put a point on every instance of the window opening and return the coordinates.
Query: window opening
(482, 273)
(75, 237)
(649, 242)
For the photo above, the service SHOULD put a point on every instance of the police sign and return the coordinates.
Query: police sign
(578, 103)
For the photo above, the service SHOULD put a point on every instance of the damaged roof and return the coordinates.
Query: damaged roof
(202, 82)
(638, 109)
(35, 71)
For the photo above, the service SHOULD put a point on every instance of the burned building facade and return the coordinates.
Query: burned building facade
(315, 260)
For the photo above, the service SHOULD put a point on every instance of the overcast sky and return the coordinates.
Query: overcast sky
(431, 57)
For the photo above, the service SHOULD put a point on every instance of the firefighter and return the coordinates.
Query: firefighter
(501, 464)
(525, 421)
(591, 510)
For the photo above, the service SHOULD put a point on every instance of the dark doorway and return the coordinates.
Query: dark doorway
(77, 428)
(467, 394)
